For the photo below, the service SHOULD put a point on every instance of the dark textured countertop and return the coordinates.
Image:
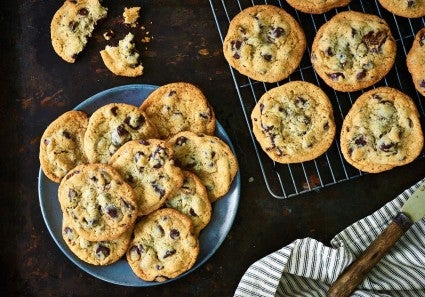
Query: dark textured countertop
(36, 86)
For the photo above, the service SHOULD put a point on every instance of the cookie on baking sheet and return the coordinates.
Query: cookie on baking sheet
(124, 59)
(406, 8)
(353, 50)
(177, 107)
(192, 200)
(294, 122)
(382, 130)
(148, 167)
(72, 26)
(111, 126)
(163, 246)
(95, 252)
(209, 157)
(317, 6)
(416, 61)
(99, 203)
(61, 146)
(265, 43)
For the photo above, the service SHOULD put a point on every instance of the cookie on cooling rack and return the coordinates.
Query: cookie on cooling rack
(317, 6)
(163, 246)
(407, 8)
(416, 61)
(264, 43)
(353, 50)
(294, 122)
(72, 26)
(382, 130)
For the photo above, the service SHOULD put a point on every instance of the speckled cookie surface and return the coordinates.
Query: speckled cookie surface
(317, 6)
(163, 246)
(264, 43)
(72, 26)
(124, 59)
(148, 167)
(416, 61)
(353, 50)
(95, 252)
(99, 204)
(111, 126)
(209, 157)
(61, 146)
(177, 107)
(294, 122)
(405, 8)
(382, 130)
(192, 200)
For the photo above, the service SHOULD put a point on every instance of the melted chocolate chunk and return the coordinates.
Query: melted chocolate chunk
(387, 147)
(73, 25)
(336, 75)
(140, 120)
(360, 141)
(181, 140)
(112, 212)
(102, 251)
(174, 233)
(374, 40)
(114, 110)
(83, 11)
(361, 74)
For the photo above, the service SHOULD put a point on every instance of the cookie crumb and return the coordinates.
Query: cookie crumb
(131, 15)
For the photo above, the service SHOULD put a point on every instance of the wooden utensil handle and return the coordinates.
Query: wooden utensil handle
(357, 271)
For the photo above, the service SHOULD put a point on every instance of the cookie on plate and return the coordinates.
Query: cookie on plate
(61, 146)
(382, 130)
(294, 122)
(416, 61)
(148, 167)
(192, 200)
(209, 157)
(111, 126)
(124, 59)
(95, 252)
(407, 8)
(265, 43)
(99, 203)
(163, 246)
(317, 6)
(353, 50)
(177, 107)
(72, 26)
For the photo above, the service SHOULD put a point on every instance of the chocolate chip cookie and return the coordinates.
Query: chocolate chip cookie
(405, 8)
(317, 6)
(416, 61)
(61, 146)
(294, 122)
(72, 26)
(99, 203)
(163, 246)
(148, 167)
(265, 43)
(382, 130)
(111, 126)
(353, 50)
(177, 107)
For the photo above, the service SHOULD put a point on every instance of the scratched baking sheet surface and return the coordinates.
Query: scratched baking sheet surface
(290, 180)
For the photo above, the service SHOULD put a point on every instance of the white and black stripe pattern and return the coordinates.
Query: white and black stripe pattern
(306, 267)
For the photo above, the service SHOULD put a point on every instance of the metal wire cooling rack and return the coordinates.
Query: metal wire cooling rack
(289, 180)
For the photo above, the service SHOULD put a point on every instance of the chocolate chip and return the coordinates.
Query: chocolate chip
(326, 126)
(361, 74)
(236, 56)
(161, 230)
(159, 267)
(192, 212)
(410, 3)
(267, 57)
(278, 32)
(386, 147)
(83, 11)
(114, 110)
(181, 140)
(336, 75)
(121, 130)
(66, 134)
(171, 93)
(169, 253)
(127, 205)
(72, 194)
(73, 25)
(129, 178)
(67, 230)
(422, 84)
(236, 44)
(112, 212)
(374, 40)
(140, 120)
(329, 52)
(144, 142)
(422, 39)
(102, 251)
(174, 233)
(205, 115)
(360, 141)
(94, 179)
(134, 250)
(137, 156)
(353, 32)
(46, 141)
(158, 189)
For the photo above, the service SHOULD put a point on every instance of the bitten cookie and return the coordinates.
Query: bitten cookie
(264, 43)
(317, 6)
(111, 126)
(163, 246)
(61, 146)
(294, 122)
(123, 59)
(99, 203)
(177, 107)
(148, 167)
(72, 26)
(416, 61)
(405, 8)
(382, 130)
(209, 157)
(192, 200)
(353, 50)
(95, 252)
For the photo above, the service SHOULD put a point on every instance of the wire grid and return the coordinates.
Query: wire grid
(287, 180)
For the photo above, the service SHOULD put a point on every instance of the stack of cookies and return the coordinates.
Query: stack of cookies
(139, 181)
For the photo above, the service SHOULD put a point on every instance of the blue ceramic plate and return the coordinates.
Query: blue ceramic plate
(224, 210)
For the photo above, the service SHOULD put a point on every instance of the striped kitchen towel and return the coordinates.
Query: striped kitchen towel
(306, 267)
